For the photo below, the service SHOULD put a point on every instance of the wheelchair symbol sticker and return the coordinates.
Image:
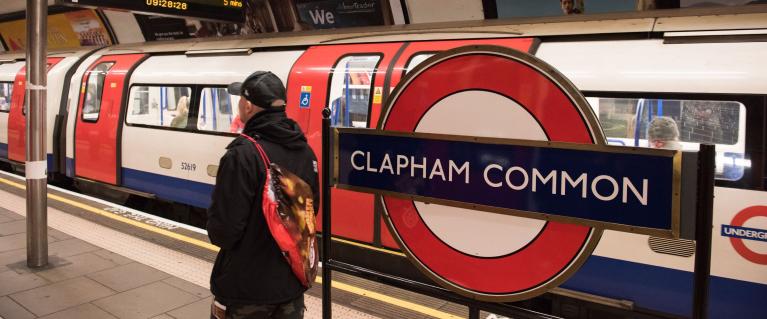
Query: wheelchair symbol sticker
(305, 98)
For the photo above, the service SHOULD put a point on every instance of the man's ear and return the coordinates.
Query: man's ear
(249, 107)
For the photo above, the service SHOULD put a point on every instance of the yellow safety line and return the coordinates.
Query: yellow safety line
(391, 300)
(180, 237)
(345, 287)
(129, 221)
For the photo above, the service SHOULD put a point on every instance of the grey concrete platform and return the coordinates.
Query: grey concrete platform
(97, 270)
(85, 281)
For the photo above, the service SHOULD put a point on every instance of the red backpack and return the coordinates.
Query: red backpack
(289, 212)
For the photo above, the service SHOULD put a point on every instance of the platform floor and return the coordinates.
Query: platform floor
(132, 265)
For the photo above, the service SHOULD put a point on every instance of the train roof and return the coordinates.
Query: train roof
(689, 19)
(723, 21)
(15, 56)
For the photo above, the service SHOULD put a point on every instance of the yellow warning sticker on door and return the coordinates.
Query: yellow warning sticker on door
(377, 94)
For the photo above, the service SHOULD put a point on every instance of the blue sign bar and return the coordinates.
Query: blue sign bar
(614, 187)
(744, 233)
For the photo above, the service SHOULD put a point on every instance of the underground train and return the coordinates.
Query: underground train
(152, 120)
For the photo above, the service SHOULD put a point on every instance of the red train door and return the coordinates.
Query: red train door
(17, 116)
(349, 79)
(416, 52)
(98, 117)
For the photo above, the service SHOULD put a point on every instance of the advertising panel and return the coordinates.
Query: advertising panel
(327, 14)
(65, 30)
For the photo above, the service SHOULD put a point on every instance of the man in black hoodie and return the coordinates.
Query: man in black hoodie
(251, 278)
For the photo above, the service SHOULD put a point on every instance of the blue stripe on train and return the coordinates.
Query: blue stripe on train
(70, 169)
(4, 154)
(168, 188)
(666, 290)
(50, 162)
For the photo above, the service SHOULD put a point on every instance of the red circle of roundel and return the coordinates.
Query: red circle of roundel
(737, 243)
(558, 244)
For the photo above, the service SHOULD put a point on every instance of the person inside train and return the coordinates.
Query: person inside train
(251, 277)
(91, 101)
(182, 113)
(663, 133)
(571, 6)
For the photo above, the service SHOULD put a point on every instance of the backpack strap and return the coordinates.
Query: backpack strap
(260, 149)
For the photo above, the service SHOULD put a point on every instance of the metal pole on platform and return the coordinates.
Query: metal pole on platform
(36, 165)
(703, 225)
(326, 187)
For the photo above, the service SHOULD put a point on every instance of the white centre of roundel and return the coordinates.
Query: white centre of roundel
(758, 222)
(486, 114)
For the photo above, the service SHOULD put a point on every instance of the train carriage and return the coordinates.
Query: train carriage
(153, 119)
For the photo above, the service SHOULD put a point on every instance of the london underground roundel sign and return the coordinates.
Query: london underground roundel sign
(489, 91)
(737, 233)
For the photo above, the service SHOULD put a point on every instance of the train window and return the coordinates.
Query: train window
(94, 90)
(687, 123)
(218, 111)
(416, 60)
(6, 89)
(161, 106)
(350, 86)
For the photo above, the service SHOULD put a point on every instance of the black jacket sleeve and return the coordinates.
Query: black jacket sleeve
(232, 200)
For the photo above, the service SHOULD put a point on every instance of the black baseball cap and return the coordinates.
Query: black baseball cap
(260, 88)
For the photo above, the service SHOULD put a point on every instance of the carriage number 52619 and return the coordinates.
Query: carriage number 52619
(188, 166)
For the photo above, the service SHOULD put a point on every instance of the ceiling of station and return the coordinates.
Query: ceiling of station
(10, 6)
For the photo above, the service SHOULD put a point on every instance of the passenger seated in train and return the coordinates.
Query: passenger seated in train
(182, 113)
(663, 133)
(571, 6)
(91, 102)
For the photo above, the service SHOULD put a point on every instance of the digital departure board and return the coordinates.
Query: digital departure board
(221, 10)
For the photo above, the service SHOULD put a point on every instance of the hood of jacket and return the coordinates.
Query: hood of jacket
(274, 125)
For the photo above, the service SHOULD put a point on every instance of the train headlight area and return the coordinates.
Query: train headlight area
(119, 261)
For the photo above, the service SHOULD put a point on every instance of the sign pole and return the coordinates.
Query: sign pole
(326, 188)
(37, 219)
(703, 226)
(473, 312)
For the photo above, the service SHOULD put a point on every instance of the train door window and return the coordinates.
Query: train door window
(94, 90)
(631, 122)
(415, 61)
(218, 111)
(350, 86)
(160, 106)
(6, 89)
